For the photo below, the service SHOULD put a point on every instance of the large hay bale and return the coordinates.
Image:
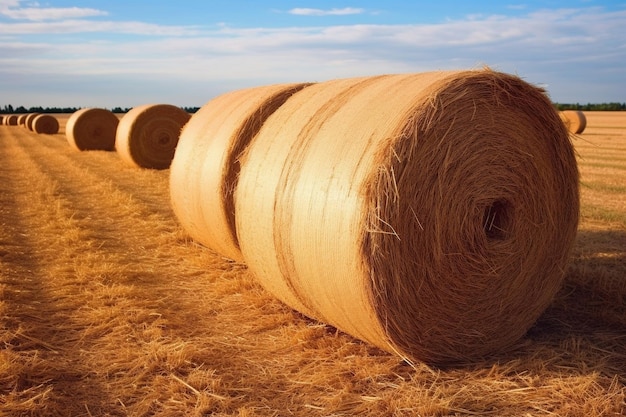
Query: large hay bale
(147, 135)
(28, 122)
(21, 119)
(430, 214)
(574, 120)
(46, 124)
(11, 120)
(92, 129)
(205, 167)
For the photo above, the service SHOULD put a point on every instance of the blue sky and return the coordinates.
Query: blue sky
(124, 53)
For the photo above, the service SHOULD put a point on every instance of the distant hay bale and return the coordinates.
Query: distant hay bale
(46, 124)
(147, 135)
(92, 129)
(430, 214)
(11, 120)
(205, 168)
(20, 119)
(28, 122)
(574, 120)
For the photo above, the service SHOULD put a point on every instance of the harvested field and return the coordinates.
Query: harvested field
(109, 308)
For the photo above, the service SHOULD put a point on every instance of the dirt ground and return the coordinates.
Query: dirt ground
(108, 308)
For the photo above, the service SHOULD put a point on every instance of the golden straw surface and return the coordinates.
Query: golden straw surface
(430, 214)
(92, 129)
(205, 167)
(147, 135)
(45, 123)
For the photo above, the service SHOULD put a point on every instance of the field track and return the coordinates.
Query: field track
(107, 307)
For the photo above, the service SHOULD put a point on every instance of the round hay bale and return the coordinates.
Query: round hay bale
(147, 135)
(205, 167)
(28, 122)
(92, 129)
(574, 120)
(11, 120)
(430, 214)
(21, 119)
(1, 119)
(46, 124)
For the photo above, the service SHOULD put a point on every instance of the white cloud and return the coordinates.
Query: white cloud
(554, 47)
(13, 10)
(330, 12)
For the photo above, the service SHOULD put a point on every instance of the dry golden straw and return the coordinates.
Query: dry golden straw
(204, 170)
(28, 122)
(147, 135)
(45, 123)
(92, 129)
(430, 214)
(574, 120)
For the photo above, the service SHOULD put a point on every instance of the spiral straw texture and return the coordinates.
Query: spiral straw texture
(574, 120)
(45, 123)
(430, 214)
(92, 129)
(147, 135)
(205, 168)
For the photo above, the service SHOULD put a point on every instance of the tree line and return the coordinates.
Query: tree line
(591, 106)
(9, 109)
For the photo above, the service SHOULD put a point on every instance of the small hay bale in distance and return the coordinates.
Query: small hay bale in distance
(11, 120)
(92, 129)
(574, 120)
(205, 168)
(147, 135)
(401, 210)
(28, 123)
(21, 119)
(45, 124)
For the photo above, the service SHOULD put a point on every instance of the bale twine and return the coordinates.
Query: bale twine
(205, 167)
(11, 120)
(574, 120)
(28, 122)
(429, 214)
(147, 135)
(46, 124)
(92, 129)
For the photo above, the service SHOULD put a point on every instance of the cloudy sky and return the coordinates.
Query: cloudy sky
(127, 53)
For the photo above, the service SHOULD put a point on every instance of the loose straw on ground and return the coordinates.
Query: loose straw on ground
(92, 129)
(204, 170)
(45, 123)
(429, 214)
(574, 120)
(147, 135)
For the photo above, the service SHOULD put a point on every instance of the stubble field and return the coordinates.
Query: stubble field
(108, 308)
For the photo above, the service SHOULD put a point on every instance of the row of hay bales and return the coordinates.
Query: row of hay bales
(35, 122)
(429, 214)
(145, 137)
